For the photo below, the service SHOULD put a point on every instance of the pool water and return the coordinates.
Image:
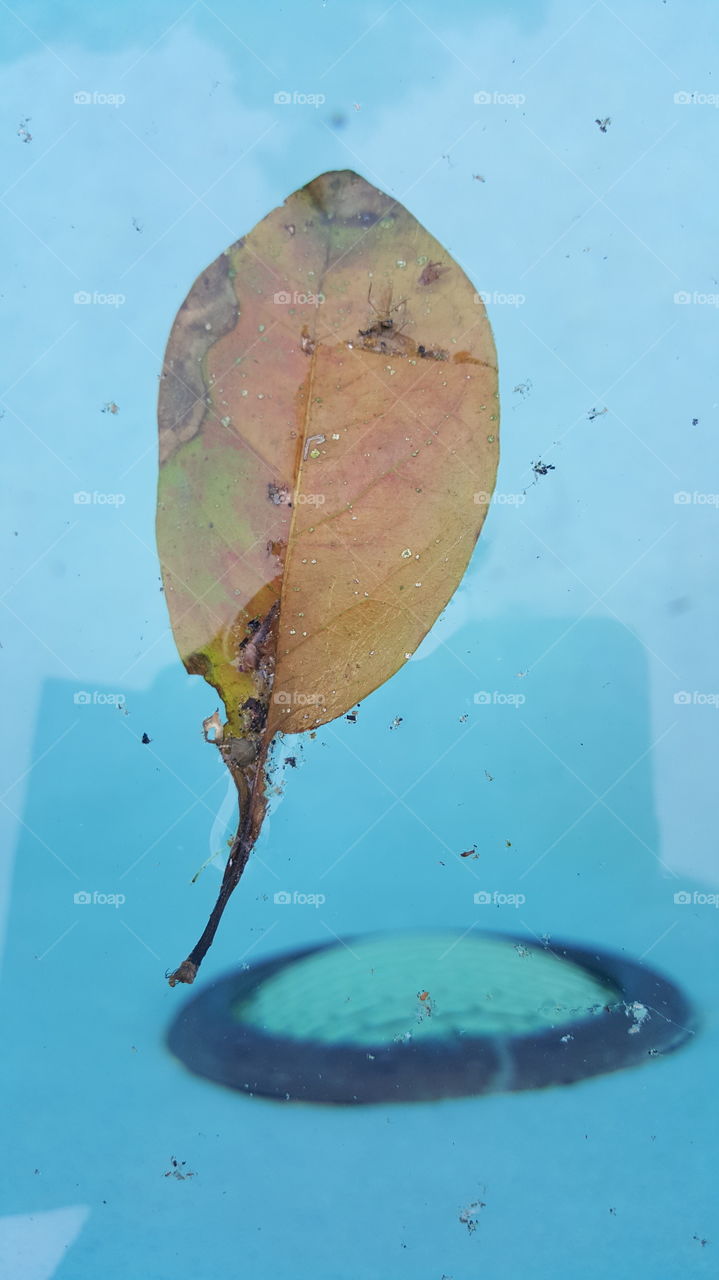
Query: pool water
(365, 995)
(560, 716)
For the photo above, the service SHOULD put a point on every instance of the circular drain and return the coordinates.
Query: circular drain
(409, 1017)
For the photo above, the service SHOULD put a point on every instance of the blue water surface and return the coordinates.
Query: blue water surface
(562, 714)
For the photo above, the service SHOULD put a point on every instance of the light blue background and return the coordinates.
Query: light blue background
(594, 583)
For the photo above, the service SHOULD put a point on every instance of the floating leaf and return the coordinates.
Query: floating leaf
(328, 447)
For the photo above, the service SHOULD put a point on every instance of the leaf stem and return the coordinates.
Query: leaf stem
(252, 808)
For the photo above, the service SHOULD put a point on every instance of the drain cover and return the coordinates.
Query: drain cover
(401, 1017)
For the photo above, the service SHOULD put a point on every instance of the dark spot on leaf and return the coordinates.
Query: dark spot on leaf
(430, 273)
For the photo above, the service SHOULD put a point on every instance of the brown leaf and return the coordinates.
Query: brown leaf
(326, 423)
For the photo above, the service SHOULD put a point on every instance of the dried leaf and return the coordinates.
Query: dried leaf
(328, 447)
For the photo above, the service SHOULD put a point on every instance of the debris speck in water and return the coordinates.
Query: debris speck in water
(639, 1013)
(177, 1170)
(469, 1217)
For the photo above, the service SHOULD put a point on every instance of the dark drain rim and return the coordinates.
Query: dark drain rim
(212, 1043)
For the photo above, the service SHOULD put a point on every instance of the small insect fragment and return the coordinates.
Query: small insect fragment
(436, 353)
(604, 124)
